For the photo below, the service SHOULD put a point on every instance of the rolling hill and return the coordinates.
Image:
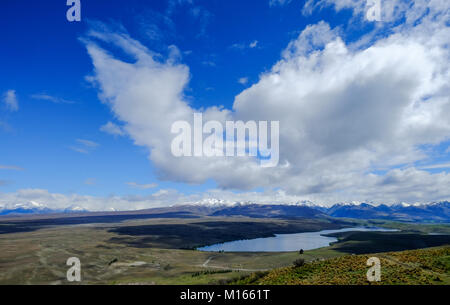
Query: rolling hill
(413, 267)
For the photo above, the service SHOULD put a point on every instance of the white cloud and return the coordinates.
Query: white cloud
(345, 111)
(4, 182)
(414, 185)
(90, 181)
(203, 17)
(112, 129)
(10, 100)
(93, 203)
(436, 166)
(5, 126)
(11, 167)
(278, 2)
(357, 6)
(253, 44)
(53, 99)
(209, 63)
(142, 186)
(84, 146)
(78, 149)
(238, 46)
(243, 46)
(411, 10)
(243, 80)
(87, 143)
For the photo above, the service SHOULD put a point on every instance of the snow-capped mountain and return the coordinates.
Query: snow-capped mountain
(74, 209)
(269, 211)
(212, 202)
(431, 212)
(29, 207)
(33, 207)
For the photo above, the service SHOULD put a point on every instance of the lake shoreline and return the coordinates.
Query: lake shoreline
(286, 242)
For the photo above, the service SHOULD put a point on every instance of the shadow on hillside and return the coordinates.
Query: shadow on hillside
(374, 242)
(29, 225)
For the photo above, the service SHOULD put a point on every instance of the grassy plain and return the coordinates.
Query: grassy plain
(152, 251)
(141, 251)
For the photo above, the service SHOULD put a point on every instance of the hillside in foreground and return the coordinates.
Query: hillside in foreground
(413, 267)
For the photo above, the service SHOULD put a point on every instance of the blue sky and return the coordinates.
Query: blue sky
(54, 141)
(43, 55)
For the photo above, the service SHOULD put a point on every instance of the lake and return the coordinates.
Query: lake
(285, 242)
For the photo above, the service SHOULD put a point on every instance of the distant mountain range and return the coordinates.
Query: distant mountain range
(32, 207)
(432, 212)
(269, 211)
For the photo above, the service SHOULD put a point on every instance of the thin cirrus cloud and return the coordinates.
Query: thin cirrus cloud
(5, 182)
(50, 98)
(84, 146)
(88, 143)
(141, 186)
(160, 26)
(253, 44)
(10, 100)
(79, 150)
(243, 80)
(243, 46)
(436, 166)
(209, 63)
(11, 167)
(90, 181)
(279, 2)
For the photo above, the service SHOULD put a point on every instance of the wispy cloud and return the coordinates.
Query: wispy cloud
(84, 146)
(243, 46)
(436, 166)
(208, 63)
(278, 2)
(11, 167)
(142, 186)
(5, 126)
(160, 26)
(10, 100)
(156, 26)
(4, 182)
(88, 143)
(238, 46)
(203, 17)
(253, 44)
(113, 129)
(90, 181)
(78, 149)
(243, 80)
(50, 98)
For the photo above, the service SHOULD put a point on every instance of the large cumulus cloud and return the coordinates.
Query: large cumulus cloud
(354, 117)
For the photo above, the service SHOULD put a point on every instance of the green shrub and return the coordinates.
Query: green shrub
(299, 262)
